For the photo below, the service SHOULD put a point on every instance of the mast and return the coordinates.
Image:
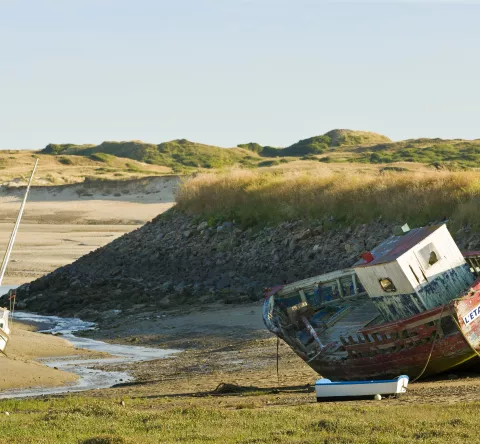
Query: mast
(15, 228)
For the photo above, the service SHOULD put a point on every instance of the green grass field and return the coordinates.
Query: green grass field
(244, 419)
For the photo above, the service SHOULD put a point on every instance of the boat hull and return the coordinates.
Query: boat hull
(447, 354)
(426, 344)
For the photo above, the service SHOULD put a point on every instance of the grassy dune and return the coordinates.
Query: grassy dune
(245, 419)
(16, 166)
(254, 197)
(184, 156)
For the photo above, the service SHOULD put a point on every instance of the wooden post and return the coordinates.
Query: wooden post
(354, 281)
(340, 289)
(303, 297)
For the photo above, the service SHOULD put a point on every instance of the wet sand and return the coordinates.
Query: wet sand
(229, 344)
(20, 368)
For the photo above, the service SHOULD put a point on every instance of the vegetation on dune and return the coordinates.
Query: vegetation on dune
(252, 146)
(318, 144)
(246, 419)
(313, 145)
(257, 198)
(446, 154)
(355, 146)
(102, 157)
(53, 148)
(176, 154)
(192, 154)
(344, 137)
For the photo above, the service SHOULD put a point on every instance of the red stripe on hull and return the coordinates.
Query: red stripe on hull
(426, 349)
(448, 352)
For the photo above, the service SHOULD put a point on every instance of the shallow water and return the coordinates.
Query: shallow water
(90, 378)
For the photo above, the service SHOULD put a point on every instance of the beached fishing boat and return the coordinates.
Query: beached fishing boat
(4, 312)
(410, 306)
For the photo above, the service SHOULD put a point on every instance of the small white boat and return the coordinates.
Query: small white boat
(327, 390)
(4, 328)
(4, 312)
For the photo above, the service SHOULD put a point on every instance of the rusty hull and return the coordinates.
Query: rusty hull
(432, 342)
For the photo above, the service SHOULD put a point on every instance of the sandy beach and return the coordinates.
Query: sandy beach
(63, 223)
(20, 368)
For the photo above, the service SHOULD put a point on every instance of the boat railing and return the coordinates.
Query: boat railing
(473, 260)
(366, 344)
(343, 285)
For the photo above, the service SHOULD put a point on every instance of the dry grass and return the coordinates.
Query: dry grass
(252, 197)
(16, 166)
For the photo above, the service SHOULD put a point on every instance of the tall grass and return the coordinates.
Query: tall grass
(252, 197)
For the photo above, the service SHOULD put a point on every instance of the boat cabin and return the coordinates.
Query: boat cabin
(413, 272)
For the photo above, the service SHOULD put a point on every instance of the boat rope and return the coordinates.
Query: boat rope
(461, 332)
(13, 236)
(278, 373)
(12, 307)
(433, 345)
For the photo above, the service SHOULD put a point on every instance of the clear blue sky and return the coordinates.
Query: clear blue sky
(231, 71)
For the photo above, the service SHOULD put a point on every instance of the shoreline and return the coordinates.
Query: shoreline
(51, 365)
(21, 366)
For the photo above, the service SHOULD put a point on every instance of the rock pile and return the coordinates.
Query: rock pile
(177, 259)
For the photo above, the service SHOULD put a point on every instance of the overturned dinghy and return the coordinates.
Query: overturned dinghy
(410, 306)
(327, 390)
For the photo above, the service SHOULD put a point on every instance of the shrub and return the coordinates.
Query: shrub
(268, 163)
(65, 161)
(102, 157)
(395, 169)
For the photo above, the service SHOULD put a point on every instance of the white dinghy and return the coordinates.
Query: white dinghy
(327, 390)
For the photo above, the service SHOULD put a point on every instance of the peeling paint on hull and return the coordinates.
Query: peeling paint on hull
(425, 344)
(448, 353)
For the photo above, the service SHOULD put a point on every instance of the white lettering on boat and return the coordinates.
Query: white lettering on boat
(472, 315)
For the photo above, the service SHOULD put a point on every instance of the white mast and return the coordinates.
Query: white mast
(15, 228)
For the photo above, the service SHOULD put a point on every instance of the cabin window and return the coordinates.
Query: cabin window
(387, 285)
(429, 255)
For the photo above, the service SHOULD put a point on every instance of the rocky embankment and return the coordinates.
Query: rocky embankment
(179, 260)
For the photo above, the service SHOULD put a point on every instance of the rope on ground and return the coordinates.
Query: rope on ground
(433, 345)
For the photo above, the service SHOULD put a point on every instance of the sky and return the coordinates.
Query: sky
(224, 72)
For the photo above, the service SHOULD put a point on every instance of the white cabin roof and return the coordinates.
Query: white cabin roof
(395, 246)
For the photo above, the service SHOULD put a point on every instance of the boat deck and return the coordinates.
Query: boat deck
(353, 317)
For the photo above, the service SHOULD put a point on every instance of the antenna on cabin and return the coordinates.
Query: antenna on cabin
(15, 228)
